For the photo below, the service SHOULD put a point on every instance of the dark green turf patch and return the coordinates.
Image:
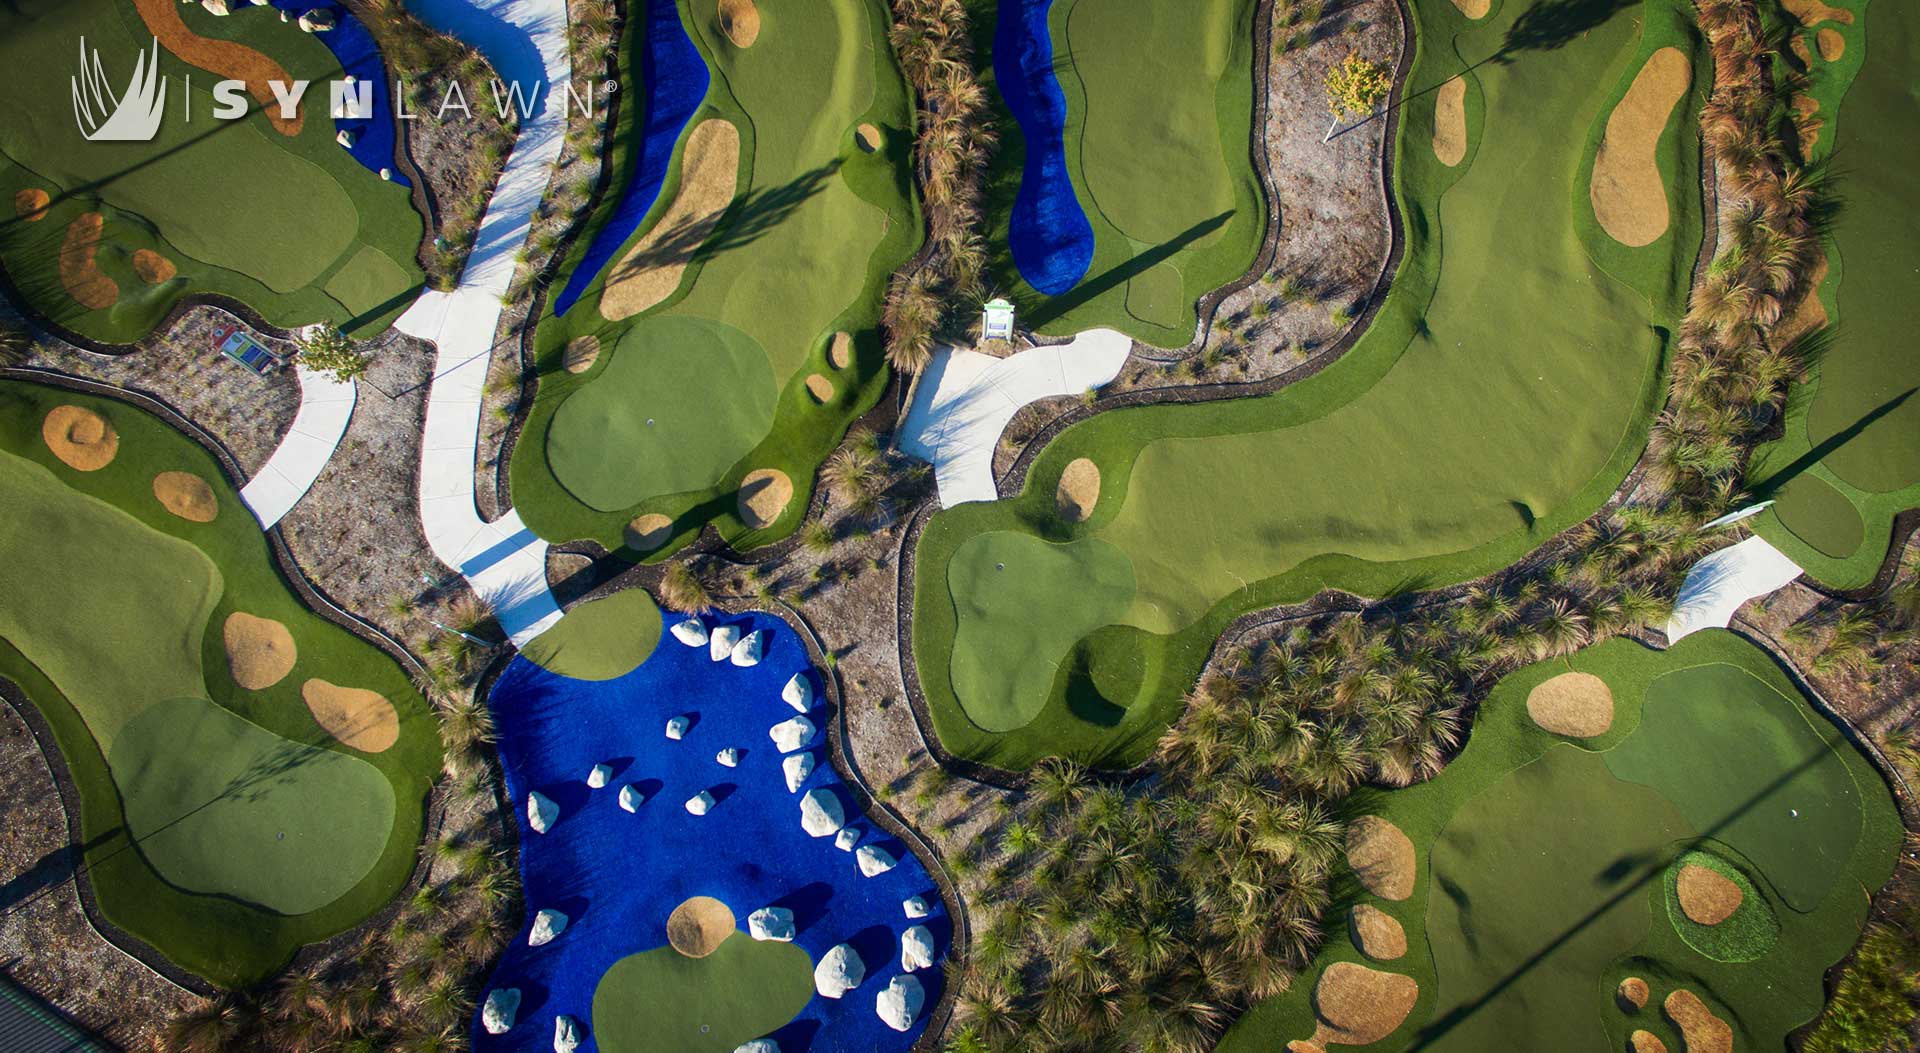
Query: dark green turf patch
(1820, 515)
(601, 639)
(1749, 933)
(662, 1000)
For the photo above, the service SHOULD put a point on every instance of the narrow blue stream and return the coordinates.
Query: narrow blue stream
(1052, 241)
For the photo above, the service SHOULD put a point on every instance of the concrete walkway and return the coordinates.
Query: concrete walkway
(1722, 581)
(966, 400)
(326, 407)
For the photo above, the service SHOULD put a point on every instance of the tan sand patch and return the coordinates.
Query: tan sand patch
(1805, 123)
(697, 927)
(1629, 197)
(81, 438)
(1810, 12)
(868, 138)
(152, 267)
(840, 352)
(362, 720)
(187, 496)
(1078, 491)
(224, 59)
(1808, 314)
(580, 354)
(1831, 44)
(1578, 705)
(1645, 1042)
(79, 267)
(1473, 8)
(740, 21)
(1301, 1045)
(31, 204)
(1358, 1006)
(764, 494)
(652, 269)
(1800, 49)
(1377, 933)
(820, 388)
(648, 532)
(1381, 857)
(1631, 994)
(260, 651)
(1707, 897)
(1699, 1028)
(1450, 122)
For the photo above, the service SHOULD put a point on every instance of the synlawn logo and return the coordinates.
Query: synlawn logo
(132, 116)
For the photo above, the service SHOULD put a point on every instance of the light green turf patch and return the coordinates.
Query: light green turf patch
(1154, 295)
(368, 281)
(601, 639)
(1745, 935)
(1001, 584)
(661, 1001)
(681, 400)
(220, 806)
(1820, 515)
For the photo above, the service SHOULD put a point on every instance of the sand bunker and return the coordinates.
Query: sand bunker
(1629, 197)
(187, 496)
(648, 532)
(81, 438)
(764, 494)
(1579, 705)
(1450, 122)
(1079, 491)
(1699, 1028)
(1358, 1006)
(222, 58)
(1811, 12)
(1631, 994)
(1706, 896)
(697, 926)
(1381, 857)
(740, 21)
(1473, 8)
(840, 352)
(1831, 44)
(1377, 933)
(1301, 1045)
(820, 388)
(868, 138)
(80, 270)
(580, 354)
(260, 651)
(652, 269)
(362, 720)
(31, 204)
(1645, 1042)
(152, 267)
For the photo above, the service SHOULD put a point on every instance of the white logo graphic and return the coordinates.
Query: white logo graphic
(130, 117)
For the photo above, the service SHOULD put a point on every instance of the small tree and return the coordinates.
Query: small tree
(1356, 86)
(324, 349)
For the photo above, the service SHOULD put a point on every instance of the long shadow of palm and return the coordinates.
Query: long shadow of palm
(696, 239)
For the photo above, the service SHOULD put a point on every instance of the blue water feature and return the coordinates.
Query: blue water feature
(374, 138)
(617, 876)
(673, 81)
(1051, 239)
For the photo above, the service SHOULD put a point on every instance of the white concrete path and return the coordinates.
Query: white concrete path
(966, 399)
(326, 407)
(1722, 581)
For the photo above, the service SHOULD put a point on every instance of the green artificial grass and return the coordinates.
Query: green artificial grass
(219, 936)
(1157, 98)
(602, 639)
(1464, 429)
(282, 224)
(817, 228)
(661, 1000)
(1748, 933)
(1820, 515)
(1542, 872)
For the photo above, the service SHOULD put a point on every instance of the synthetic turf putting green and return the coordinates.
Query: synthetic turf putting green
(128, 663)
(1745, 934)
(815, 228)
(601, 639)
(663, 1000)
(1855, 426)
(1545, 875)
(1156, 97)
(307, 234)
(1384, 471)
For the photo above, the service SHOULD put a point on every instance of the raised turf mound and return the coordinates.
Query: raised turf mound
(601, 639)
(260, 651)
(1577, 705)
(698, 926)
(81, 438)
(186, 495)
(1381, 856)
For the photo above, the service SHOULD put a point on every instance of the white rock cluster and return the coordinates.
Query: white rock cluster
(746, 653)
(692, 632)
(790, 735)
(720, 642)
(797, 768)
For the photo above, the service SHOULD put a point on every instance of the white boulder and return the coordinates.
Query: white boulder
(700, 803)
(541, 811)
(747, 651)
(501, 1006)
(874, 860)
(344, 138)
(846, 839)
(677, 728)
(915, 907)
(547, 924)
(692, 632)
(916, 949)
(318, 20)
(217, 7)
(758, 1045)
(631, 798)
(728, 758)
(720, 643)
(790, 735)
(797, 767)
(840, 970)
(567, 1034)
(900, 1004)
(798, 693)
(771, 923)
(821, 813)
(598, 776)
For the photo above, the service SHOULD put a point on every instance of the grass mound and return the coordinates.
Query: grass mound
(662, 999)
(81, 438)
(1078, 491)
(1577, 705)
(260, 651)
(1359, 1006)
(601, 639)
(1381, 857)
(1718, 909)
(1378, 935)
(186, 495)
(764, 496)
(698, 926)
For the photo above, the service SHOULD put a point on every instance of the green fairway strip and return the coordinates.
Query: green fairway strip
(601, 639)
(661, 1001)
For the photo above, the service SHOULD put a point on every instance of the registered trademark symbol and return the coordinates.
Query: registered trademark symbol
(613, 85)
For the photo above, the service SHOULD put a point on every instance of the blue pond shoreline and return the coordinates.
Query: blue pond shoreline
(1052, 241)
(375, 140)
(617, 876)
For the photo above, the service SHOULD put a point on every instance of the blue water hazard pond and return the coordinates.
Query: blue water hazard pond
(1048, 232)
(617, 876)
(373, 135)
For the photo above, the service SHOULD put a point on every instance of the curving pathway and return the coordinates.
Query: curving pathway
(326, 407)
(1722, 581)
